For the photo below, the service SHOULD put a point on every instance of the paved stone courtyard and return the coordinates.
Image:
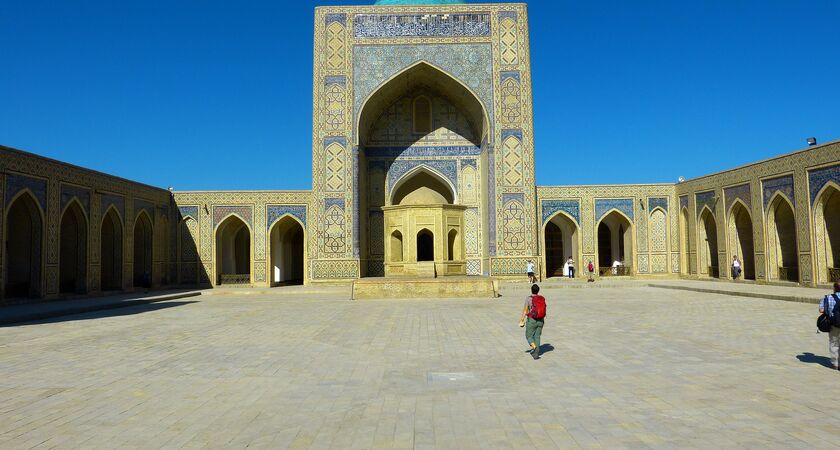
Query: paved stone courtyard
(635, 367)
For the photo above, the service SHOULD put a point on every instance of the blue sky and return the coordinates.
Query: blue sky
(217, 95)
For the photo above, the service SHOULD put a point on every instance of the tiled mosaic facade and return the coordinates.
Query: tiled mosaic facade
(471, 63)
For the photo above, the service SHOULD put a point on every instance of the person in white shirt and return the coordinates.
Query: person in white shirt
(736, 268)
(529, 269)
(615, 266)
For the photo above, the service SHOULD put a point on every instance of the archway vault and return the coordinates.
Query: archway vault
(422, 75)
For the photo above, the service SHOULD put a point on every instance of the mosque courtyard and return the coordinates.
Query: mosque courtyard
(633, 367)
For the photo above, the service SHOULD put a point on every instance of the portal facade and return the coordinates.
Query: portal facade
(423, 166)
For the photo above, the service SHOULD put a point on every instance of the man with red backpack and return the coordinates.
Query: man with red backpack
(533, 319)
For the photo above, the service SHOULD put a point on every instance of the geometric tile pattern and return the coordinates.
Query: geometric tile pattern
(741, 192)
(658, 202)
(625, 205)
(552, 207)
(784, 184)
(420, 25)
(274, 212)
(818, 178)
(706, 199)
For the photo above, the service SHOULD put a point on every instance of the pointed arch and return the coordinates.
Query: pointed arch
(73, 249)
(24, 243)
(685, 244)
(782, 252)
(425, 245)
(707, 243)
(740, 238)
(560, 239)
(615, 243)
(826, 232)
(233, 250)
(414, 186)
(111, 250)
(425, 73)
(143, 250)
(287, 251)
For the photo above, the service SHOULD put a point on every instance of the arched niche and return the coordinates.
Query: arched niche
(560, 236)
(708, 244)
(143, 243)
(615, 243)
(24, 247)
(782, 253)
(685, 233)
(188, 251)
(741, 238)
(827, 233)
(111, 251)
(287, 244)
(233, 251)
(396, 247)
(422, 186)
(72, 254)
(425, 245)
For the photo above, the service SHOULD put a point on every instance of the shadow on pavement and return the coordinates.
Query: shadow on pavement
(114, 311)
(545, 348)
(811, 358)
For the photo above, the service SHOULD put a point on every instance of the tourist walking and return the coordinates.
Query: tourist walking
(571, 263)
(533, 319)
(591, 269)
(736, 268)
(830, 306)
(529, 269)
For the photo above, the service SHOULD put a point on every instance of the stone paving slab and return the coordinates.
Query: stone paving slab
(622, 368)
(40, 311)
(739, 289)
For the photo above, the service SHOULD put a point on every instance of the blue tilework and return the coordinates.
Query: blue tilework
(741, 192)
(625, 205)
(818, 178)
(68, 192)
(491, 198)
(781, 184)
(274, 212)
(394, 152)
(340, 18)
(188, 211)
(144, 206)
(330, 202)
(518, 197)
(469, 162)
(657, 202)
(115, 200)
(357, 246)
(683, 202)
(447, 168)
(508, 14)
(552, 207)
(421, 25)
(471, 64)
(222, 212)
(510, 74)
(333, 139)
(515, 133)
(339, 79)
(15, 183)
(702, 199)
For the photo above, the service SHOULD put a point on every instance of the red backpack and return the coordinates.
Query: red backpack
(537, 307)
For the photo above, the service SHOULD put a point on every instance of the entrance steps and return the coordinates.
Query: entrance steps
(431, 288)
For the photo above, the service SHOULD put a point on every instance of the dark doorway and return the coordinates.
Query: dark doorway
(111, 245)
(554, 252)
(73, 251)
(425, 246)
(143, 252)
(23, 248)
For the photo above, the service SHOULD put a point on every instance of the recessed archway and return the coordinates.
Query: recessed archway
(24, 246)
(188, 251)
(615, 244)
(781, 240)
(397, 250)
(287, 244)
(143, 251)
(827, 234)
(425, 246)
(685, 233)
(708, 244)
(72, 262)
(422, 187)
(454, 246)
(561, 242)
(741, 239)
(111, 251)
(233, 251)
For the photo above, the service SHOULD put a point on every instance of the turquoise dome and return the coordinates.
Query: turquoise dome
(418, 2)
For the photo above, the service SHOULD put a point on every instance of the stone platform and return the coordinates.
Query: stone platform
(445, 287)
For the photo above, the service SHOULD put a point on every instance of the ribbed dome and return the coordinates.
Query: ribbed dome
(418, 2)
